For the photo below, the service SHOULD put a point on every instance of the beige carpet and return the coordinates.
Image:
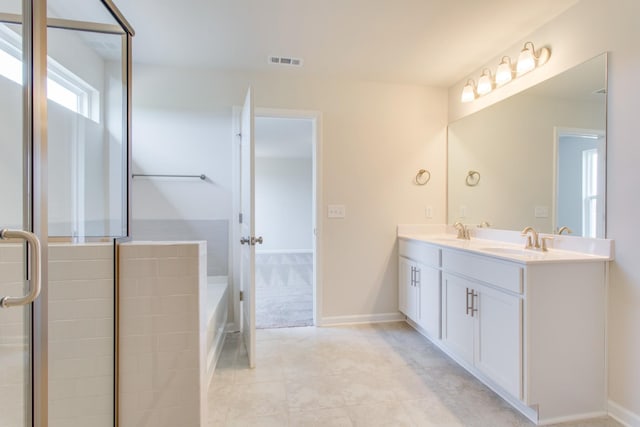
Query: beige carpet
(284, 290)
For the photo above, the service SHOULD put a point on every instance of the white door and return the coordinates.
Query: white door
(247, 229)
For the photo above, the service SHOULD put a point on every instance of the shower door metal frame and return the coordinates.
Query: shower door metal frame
(35, 23)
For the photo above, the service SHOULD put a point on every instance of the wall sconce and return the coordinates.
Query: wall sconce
(527, 61)
(530, 59)
(504, 73)
(485, 83)
(469, 91)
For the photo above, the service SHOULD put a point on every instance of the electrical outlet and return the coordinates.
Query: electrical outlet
(541, 212)
(336, 211)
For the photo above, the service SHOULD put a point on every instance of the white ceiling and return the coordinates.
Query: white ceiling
(283, 137)
(429, 42)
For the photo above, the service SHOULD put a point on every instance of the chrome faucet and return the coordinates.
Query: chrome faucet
(532, 238)
(563, 229)
(463, 231)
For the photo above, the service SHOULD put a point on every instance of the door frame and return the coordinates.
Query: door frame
(317, 220)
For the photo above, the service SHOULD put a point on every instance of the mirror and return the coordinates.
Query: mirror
(534, 159)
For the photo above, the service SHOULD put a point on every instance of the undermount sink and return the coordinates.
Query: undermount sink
(510, 251)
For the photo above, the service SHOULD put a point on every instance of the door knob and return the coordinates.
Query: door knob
(245, 241)
(256, 240)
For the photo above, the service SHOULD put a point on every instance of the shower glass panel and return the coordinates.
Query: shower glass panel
(86, 91)
(15, 322)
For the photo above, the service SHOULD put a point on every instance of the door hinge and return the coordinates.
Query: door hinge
(241, 296)
(240, 218)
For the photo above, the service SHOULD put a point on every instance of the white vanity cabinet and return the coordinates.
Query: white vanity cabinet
(482, 325)
(530, 325)
(419, 285)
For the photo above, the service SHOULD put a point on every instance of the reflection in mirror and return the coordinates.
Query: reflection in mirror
(541, 155)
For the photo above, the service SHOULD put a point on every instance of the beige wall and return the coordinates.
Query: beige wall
(375, 137)
(590, 28)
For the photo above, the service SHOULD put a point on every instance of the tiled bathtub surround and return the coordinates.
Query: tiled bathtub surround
(164, 319)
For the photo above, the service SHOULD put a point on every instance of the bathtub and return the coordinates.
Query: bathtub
(217, 314)
(172, 329)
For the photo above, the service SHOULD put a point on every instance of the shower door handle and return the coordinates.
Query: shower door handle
(35, 276)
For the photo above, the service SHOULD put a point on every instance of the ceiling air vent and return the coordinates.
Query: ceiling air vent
(285, 60)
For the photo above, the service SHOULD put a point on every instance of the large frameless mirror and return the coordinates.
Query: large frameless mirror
(535, 159)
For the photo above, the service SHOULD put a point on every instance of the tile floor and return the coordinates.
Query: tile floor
(370, 375)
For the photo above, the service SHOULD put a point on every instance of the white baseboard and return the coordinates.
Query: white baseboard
(623, 415)
(360, 318)
(283, 251)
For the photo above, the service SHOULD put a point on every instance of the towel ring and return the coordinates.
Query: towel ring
(420, 179)
(473, 178)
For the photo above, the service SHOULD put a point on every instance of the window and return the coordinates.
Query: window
(589, 192)
(63, 86)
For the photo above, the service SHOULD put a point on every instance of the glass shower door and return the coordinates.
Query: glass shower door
(15, 321)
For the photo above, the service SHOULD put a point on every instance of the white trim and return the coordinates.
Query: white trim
(284, 251)
(360, 319)
(623, 415)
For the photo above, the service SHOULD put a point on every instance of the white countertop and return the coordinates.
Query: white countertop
(501, 244)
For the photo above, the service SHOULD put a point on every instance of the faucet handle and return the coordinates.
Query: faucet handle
(529, 243)
(544, 240)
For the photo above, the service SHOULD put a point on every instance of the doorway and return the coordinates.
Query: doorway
(284, 195)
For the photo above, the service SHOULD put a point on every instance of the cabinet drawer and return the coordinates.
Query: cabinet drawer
(503, 274)
(420, 252)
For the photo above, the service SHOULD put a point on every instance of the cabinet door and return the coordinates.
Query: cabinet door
(498, 352)
(407, 303)
(457, 325)
(429, 299)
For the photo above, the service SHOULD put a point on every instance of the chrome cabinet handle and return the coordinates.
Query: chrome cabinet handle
(469, 293)
(35, 251)
(474, 295)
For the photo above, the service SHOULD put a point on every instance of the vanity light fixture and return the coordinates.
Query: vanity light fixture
(504, 73)
(530, 59)
(485, 83)
(469, 91)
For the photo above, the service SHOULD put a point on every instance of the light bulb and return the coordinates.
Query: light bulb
(526, 60)
(485, 84)
(504, 73)
(468, 92)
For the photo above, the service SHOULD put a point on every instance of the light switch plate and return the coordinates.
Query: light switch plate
(336, 211)
(428, 212)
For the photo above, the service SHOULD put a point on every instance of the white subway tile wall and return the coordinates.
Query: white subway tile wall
(81, 331)
(163, 334)
(80, 336)
(13, 339)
